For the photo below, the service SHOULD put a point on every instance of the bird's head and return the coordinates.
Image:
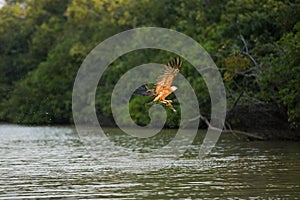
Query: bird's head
(173, 88)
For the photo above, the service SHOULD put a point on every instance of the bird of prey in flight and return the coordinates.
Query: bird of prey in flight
(163, 86)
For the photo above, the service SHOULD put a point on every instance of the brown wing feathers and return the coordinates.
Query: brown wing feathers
(170, 71)
(175, 63)
(165, 80)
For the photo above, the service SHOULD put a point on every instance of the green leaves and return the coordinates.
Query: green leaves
(43, 43)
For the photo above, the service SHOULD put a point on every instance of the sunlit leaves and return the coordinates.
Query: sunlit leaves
(235, 64)
(43, 43)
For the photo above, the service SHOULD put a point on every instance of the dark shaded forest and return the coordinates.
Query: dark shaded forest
(255, 44)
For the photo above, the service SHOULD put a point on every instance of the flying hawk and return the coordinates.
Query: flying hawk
(163, 84)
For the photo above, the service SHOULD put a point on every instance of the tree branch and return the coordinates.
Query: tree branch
(234, 132)
(246, 53)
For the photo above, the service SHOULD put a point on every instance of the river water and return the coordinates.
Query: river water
(52, 162)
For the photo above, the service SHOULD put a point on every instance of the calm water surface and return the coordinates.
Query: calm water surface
(52, 162)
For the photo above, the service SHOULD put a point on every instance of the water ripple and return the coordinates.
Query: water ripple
(51, 162)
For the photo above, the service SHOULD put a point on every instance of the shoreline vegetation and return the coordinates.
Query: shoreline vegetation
(255, 45)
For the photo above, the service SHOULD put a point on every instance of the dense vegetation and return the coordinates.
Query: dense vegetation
(255, 44)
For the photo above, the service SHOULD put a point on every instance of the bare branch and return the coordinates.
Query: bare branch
(234, 132)
(201, 117)
(246, 53)
(250, 135)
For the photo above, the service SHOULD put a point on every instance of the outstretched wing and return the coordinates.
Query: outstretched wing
(144, 91)
(166, 78)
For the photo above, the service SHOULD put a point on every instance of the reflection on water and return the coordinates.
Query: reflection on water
(52, 162)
